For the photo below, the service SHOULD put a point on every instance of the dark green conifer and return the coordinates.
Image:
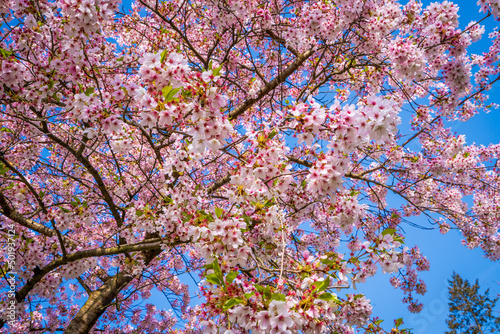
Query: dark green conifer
(470, 311)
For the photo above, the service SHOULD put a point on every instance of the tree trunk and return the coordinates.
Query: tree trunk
(97, 303)
(100, 299)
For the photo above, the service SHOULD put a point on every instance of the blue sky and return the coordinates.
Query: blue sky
(445, 252)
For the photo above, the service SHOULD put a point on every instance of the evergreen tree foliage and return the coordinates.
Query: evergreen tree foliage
(470, 311)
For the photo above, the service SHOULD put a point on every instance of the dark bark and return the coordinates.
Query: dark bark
(100, 299)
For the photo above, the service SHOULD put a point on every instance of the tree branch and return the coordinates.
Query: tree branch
(271, 84)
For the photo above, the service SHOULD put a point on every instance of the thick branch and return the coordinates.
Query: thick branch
(271, 85)
(218, 184)
(149, 245)
(300, 162)
(97, 303)
(102, 298)
(23, 221)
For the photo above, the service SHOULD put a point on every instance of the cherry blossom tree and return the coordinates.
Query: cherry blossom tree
(256, 148)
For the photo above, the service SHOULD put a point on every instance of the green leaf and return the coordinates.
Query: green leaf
(398, 322)
(186, 94)
(327, 296)
(120, 59)
(212, 278)
(327, 262)
(65, 210)
(169, 93)
(163, 56)
(218, 212)
(51, 84)
(204, 214)
(322, 285)
(165, 90)
(4, 129)
(247, 219)
(139, 213)
(231, 276)
(388, 231)
(272, 134)
(326, 284)
(3, 169)
(217, 270)
(89, 91)
(231, 302)
(248, 295)
(210, 65)
(269, 203)
(216, 71)
(354, 193)
(278, 296)
(186, 217)
(267, 291)
(5, 53)
(399, 239)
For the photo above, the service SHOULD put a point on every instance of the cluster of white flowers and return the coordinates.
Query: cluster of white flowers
(221, 237)
(407, 59)
(86, 14)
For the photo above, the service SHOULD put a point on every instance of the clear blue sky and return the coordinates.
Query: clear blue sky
(445, 253)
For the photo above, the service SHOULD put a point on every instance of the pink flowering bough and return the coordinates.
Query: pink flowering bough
(250, 147)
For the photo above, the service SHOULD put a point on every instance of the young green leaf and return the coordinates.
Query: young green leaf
(231, 276)
(5, 53)
(218, 212)
(217, 270)
(322, 285)
(214, 279)
(388, 231)
(163, 56)
(216, 71)
(327, 296)
(231, 302)
(169, 93)
(89, 91)
(248, 295)
(267, 291)
(272, 134)
(3, 169)
(278, 296)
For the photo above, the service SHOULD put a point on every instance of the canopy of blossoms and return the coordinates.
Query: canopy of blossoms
(254, 147)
